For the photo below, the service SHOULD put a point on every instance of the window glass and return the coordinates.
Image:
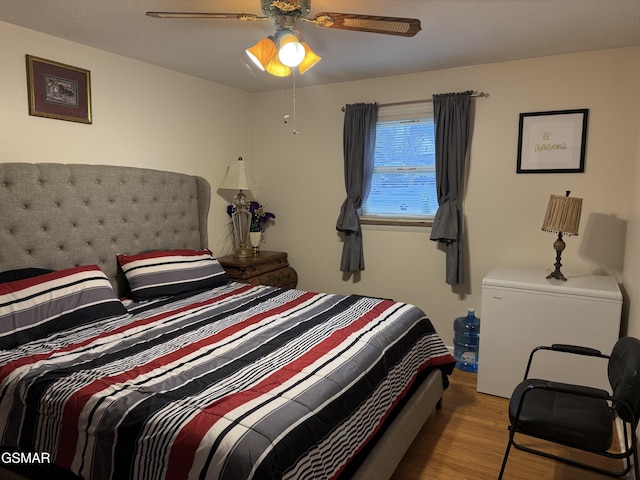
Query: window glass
(403, 185)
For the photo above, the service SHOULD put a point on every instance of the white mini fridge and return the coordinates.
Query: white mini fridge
(521, 309)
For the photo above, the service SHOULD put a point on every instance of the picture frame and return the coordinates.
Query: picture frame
(58, 91)
(552, 142)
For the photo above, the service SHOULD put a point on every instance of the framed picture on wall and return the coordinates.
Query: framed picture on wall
(58, 91)
(552, 142)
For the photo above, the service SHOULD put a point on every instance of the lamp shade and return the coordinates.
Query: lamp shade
(265, 56)
(563, 215)
(309, 60)
(276, 68)
(238, 176)
(262, 52)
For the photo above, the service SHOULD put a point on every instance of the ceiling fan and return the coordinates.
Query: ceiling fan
(286, 49)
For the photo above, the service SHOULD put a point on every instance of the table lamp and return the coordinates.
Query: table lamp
(563, 218)
(239, 177)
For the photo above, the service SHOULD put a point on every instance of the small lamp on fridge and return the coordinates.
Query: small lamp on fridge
(563, 218)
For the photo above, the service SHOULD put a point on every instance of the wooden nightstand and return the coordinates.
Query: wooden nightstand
(265, 268)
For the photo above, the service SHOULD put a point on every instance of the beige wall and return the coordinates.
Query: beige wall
(143, 116)
(631, 274)
(302, 178)
(150, 117)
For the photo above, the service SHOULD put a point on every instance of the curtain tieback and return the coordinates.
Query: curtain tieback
(445, 223)
(348, 220)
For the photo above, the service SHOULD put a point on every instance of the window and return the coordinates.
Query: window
(403, 185)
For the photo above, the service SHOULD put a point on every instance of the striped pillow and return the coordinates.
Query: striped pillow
(171, 272)
(22, 273)
(34, 308)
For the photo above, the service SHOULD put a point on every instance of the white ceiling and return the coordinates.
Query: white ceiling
(454, 33)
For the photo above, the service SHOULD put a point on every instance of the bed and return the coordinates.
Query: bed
(159, 367)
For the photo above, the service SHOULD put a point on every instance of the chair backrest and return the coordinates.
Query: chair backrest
(624, 376)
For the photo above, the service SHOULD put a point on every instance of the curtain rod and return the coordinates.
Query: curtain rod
(424, 100)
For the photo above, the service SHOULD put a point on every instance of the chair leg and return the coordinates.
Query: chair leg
(506, 453)
(630, 441)
(634, 455)
(631, 456)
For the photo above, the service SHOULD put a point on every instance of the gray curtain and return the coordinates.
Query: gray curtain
(452, 119)
(359, 140)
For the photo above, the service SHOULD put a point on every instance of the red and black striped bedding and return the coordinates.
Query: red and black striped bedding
(238, 382)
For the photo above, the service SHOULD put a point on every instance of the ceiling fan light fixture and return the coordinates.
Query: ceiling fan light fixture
(282, 52)
(262, 52)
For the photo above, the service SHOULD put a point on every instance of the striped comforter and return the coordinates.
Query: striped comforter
(239, 382)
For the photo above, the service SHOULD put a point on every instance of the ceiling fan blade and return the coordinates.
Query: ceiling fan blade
(405, 27)
(237, 16)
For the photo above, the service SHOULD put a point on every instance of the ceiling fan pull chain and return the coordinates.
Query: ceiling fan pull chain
(285, 102)
(295, 132)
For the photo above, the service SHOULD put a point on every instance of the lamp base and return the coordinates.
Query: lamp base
(243, 252)
(241, 219)
(558, 246)
(557, 274)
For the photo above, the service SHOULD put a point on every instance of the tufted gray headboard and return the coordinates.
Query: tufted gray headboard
(63, 215)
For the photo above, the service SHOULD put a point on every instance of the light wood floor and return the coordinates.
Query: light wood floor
(466, 440)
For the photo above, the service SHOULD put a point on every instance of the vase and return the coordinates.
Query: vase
(256, 238)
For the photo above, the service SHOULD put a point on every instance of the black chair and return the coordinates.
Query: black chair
(578, 416)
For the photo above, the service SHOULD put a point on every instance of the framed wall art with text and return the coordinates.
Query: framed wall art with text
(552, 142)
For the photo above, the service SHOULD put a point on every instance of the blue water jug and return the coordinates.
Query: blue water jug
(466, 341)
